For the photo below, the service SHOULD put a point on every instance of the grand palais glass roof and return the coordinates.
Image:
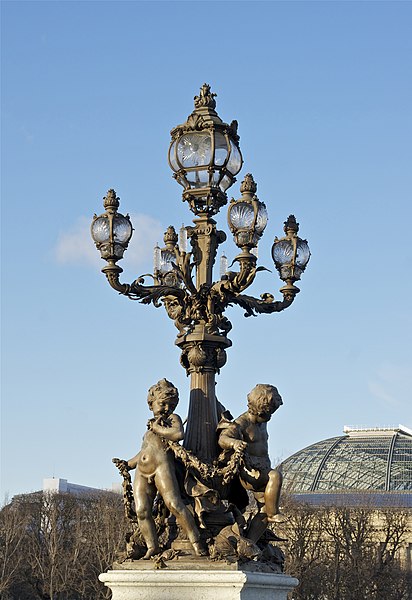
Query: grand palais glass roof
(362, 460)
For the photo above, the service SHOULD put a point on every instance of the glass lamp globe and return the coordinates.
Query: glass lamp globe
(247, 217)
(111, 231)
(208, 158)
(290, 254)
(241, 216)
(100, 230)
(261, 219)
(162, 260)
(166, 259)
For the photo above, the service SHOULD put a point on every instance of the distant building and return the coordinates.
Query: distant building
(366, 465)
(58, 485)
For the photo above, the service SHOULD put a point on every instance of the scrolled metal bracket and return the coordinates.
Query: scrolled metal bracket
(265, 305)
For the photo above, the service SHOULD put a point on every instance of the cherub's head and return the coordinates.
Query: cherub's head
(163, 397)
(173, 306)
(263, 401)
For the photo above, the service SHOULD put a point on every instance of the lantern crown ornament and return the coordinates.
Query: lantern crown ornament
(205, 156)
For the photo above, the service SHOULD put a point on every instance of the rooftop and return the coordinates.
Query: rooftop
(366, 460)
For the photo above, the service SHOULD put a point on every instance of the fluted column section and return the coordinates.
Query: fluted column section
(201, 437)
(203, 354)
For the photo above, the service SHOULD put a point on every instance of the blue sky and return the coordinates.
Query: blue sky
(90, 91)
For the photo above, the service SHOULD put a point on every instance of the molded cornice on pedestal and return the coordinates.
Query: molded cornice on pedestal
(165, 584)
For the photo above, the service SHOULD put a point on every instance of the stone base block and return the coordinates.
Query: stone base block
(165, 584)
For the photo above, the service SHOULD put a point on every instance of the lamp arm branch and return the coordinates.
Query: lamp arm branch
(266, 304)
(112, 272)
(185, 267)
(246, 276)
(236, 281)
(146, 294)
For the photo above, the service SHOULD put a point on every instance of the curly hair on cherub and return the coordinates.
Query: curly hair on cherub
(264, 397)
(165, 389)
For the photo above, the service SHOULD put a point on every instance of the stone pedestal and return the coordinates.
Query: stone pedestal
(197, 584)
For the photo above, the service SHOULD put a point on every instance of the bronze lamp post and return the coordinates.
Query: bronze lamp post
(205, 157)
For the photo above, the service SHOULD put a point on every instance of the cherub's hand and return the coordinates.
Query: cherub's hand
(239, 445)
(120, 463)
(160, 424)
(154, 426)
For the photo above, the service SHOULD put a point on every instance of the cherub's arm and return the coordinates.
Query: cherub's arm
(230, 438)
(132, 462)
(173, 430)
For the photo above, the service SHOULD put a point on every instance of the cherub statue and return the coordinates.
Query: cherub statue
(249, 433)
(155, 470)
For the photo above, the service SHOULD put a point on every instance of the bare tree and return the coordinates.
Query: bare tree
(13, 524)
(304, 548)
(53, 546)
(102, 533)
(341, 553)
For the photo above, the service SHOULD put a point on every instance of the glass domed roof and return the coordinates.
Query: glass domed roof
(368, 460)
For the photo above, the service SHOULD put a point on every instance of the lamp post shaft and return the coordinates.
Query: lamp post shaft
(203, 349)
(203, 354)
(202, 420)
(205, 240)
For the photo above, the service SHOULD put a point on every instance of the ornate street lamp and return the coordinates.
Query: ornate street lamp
(205, 157)
(247, 217)
(111, 231)
(290, 254)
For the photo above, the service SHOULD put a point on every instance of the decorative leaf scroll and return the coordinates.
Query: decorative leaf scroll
(189, 307)
(266, 305)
